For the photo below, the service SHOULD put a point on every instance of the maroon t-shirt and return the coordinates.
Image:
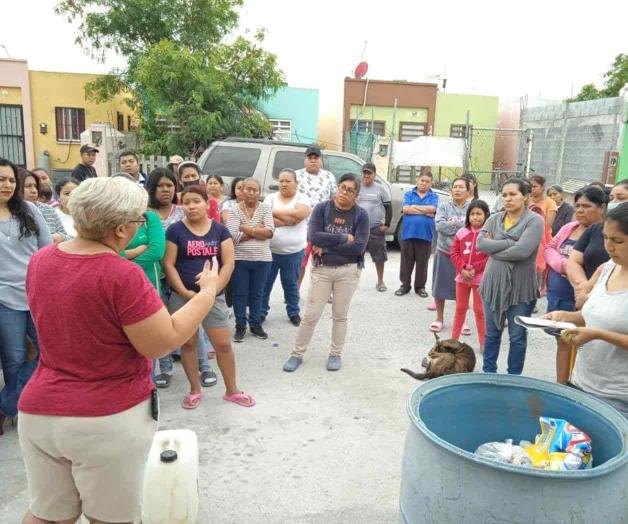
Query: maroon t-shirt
(87, 365)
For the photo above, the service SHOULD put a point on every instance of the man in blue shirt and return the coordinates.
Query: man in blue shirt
(419, 208)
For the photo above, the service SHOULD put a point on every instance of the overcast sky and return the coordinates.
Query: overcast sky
(535, 47)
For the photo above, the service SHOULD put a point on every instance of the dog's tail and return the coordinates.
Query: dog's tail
(417, 376)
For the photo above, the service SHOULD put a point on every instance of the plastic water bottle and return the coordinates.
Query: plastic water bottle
(171, 479)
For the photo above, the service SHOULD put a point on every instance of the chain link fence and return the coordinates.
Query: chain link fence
(360, 144)
(496, 154)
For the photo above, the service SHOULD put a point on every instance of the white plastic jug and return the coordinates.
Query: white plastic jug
(171, 479)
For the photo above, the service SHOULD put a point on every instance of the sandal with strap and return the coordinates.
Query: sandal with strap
(242, 399)
(162, 380)
(191, 401)
(466, 330)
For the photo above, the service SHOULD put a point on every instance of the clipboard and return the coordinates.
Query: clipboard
(551, 327)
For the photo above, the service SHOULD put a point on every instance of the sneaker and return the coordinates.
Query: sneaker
(259, 332)
(402, 291)
(208, 379)
(334, 363)
(295, 320)
(292, 364)
(239, 334)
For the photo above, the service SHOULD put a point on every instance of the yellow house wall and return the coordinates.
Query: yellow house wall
(50, 90)
(10, 95)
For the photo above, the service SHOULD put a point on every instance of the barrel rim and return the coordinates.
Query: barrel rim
(611, 414)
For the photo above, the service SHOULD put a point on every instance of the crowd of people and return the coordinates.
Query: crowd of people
(105, 281)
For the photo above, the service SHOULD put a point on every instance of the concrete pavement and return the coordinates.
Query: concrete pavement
(318, 447)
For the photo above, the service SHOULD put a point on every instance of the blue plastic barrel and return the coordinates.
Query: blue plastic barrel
(443, 482)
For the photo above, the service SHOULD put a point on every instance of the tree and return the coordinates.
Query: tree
(615, 78)
(188, 83)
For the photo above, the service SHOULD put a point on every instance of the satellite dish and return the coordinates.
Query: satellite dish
(361, 70)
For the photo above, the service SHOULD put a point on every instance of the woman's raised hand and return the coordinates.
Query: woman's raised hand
(207, 279)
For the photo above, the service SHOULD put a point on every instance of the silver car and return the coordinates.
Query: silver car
(264, 159)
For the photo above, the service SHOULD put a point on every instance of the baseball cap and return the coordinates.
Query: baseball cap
(175, 159)
(369, 166)
(313, 151)
(88, 148)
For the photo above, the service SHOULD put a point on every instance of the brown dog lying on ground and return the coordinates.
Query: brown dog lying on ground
(445, 358)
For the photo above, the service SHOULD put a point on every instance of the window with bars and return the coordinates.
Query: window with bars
(282, 129)
(458, 130)
(120, 121)
(410, 130)
(364, 126)
(70, 123)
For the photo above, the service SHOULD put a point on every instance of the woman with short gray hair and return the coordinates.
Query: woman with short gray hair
(89, 413)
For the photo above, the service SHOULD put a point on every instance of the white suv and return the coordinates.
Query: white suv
(264, 159)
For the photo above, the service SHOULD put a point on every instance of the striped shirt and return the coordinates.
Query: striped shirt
(52, 220)
(253, 250)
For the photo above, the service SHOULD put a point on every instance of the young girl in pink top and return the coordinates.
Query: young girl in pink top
(469, 264)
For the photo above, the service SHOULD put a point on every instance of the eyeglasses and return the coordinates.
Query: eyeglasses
(348, 190)
(140, 221)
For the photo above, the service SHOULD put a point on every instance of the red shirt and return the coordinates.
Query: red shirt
(87, 365)
(213, 209)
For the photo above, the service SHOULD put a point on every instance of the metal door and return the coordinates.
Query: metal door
(12, 134)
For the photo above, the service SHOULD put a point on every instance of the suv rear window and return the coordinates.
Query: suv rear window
(287, 159)
(230, 162)
(339, 165)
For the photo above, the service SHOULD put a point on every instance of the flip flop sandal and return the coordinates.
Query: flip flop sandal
(381, 288)
(163, 380)
(466, 331)
(432, 307)
(436, 326)
(242, 399)
(191, 401)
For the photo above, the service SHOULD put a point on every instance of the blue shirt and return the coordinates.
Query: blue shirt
(420, 227)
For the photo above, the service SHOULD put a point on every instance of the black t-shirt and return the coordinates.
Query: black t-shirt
(82, 172)
(564, 215)
(591, 245)
(339, 222)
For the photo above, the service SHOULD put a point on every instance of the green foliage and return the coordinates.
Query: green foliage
(588, 92)
(615, 78)
(188, 83)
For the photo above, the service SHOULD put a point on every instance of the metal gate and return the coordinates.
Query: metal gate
(12, 134)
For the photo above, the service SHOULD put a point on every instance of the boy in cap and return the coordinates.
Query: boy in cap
(85, 168)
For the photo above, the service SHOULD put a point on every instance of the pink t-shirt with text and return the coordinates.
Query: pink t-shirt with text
(87, 365)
